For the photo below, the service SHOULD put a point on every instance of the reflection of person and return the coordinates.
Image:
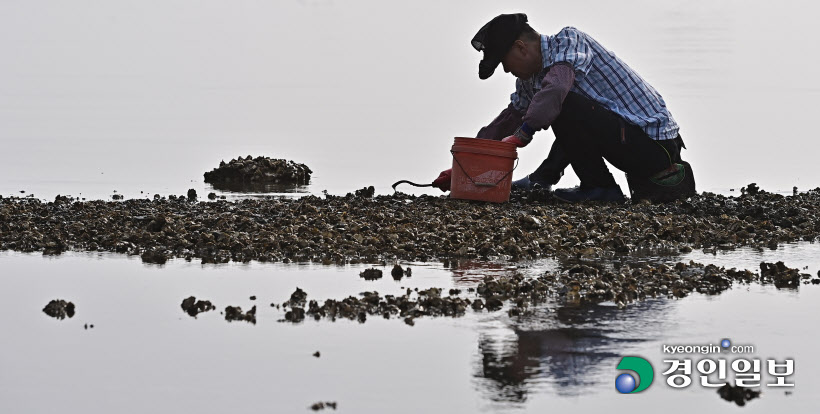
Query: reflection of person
(564, 356)
(599, 108)
(581, 342)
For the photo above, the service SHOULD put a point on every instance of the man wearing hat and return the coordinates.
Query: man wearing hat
(598, 107)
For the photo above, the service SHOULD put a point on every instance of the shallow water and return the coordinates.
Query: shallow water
(144, 353)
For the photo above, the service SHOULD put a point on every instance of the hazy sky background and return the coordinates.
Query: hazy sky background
(148, 95)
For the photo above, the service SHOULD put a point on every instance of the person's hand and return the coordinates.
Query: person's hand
(512, 139)
(521, 137)
(443, 180)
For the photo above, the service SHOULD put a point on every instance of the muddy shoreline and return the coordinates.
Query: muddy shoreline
(360, 229)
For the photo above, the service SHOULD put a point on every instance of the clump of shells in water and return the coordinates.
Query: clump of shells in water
(259, 170)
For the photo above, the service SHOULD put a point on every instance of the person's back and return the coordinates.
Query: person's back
(604, 78)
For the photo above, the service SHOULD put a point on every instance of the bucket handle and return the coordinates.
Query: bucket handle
(483, 184)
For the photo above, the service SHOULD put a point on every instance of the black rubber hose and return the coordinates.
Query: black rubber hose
(411, 183)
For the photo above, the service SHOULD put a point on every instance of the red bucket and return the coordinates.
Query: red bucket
(482, 169)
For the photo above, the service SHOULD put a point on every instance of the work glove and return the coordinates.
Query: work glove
(512, 139)
(521, 137)
(443, 180)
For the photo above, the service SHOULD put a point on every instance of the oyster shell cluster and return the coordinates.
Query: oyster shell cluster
(360, 229)
(578, 285)
(781, 276)
(246, 173)
(321, 405)
(234, 313)
(413, 304)
(193, 307)
(60, 309)
(737, 394)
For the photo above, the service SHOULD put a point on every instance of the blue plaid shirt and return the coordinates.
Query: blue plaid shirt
(603, 78)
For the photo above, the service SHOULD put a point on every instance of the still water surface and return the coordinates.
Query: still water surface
(145, 354)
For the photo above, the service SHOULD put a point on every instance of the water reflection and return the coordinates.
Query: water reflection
(571, 350)
(470, 272)
(550, 360)
(249, 187)
(577, 342)
(562, 345)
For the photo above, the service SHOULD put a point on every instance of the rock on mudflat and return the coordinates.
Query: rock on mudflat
(781, 276)
(397, 272)
(322, 405)
(371, 274)
(295, 314)
(366, 192)
(298, 297)
(194, 307)
(155, 255)
(259, 170)
(59, 309)
(297, 301)
(234, 313)
(427, 303)
(739, 395)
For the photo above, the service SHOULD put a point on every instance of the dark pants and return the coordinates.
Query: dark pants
(586, 134)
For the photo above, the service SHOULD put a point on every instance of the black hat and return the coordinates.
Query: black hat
(495, 39)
